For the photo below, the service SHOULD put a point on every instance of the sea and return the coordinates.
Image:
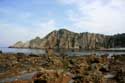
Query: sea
(67, 52)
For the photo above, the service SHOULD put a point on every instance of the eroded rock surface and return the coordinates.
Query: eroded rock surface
(53, 68)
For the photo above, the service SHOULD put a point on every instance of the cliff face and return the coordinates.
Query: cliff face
(71, 40)
(117, 41)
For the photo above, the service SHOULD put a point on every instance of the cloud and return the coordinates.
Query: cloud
(23, 22)
(99, 16)
(43, 28)
(11, 33)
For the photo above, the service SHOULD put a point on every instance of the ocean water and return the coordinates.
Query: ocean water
(22, 50)
(68, 52)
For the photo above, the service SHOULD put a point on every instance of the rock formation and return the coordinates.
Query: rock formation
(62, 69)
(70, 40)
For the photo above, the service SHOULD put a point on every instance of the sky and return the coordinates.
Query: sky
(23, 20)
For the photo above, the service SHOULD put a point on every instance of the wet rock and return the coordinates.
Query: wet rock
(20, 54)
(33, 55)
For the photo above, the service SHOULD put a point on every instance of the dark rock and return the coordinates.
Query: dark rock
(33, 55)
(103, 70)
(3, 68)
(20, 54)
(1, 52)
(117, 40)
(40, 81)
(120, 76)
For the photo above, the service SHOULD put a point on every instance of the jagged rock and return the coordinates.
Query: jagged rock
(51, 76)
(68, 69)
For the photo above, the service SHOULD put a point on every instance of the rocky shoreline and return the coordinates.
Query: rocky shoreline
(52, 68)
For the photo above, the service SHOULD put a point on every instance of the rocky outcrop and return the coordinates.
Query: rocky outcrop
(19, 44)
(70, 40)
(53, 68)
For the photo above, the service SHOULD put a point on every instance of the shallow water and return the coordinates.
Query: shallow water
(22, 50)
(68, 52)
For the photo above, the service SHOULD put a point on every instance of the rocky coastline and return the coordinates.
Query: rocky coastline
(53, 68)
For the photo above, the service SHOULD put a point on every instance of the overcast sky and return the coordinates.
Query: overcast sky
(26, 19)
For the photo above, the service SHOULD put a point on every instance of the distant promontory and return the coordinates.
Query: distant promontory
(66, 39)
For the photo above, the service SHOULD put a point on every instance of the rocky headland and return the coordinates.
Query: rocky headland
(66, 39)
